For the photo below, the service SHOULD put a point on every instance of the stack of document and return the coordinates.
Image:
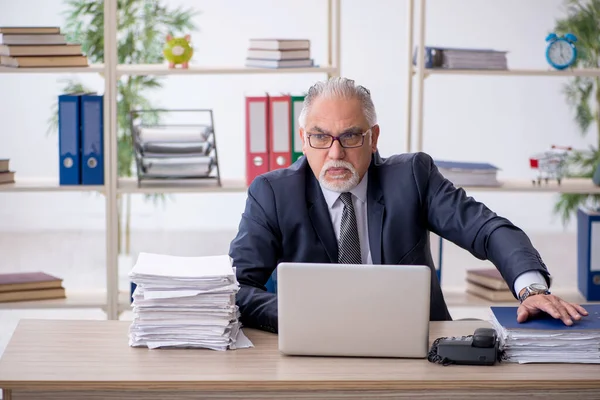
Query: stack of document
(474, 59)
(548, 340)
(464, 174)
(185, 302)
(175, 152)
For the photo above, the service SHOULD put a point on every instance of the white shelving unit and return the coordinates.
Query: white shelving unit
(421, 73)
(109, 298)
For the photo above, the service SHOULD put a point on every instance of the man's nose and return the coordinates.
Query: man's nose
(336, 151)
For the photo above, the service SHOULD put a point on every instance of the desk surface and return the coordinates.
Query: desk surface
(83, 355)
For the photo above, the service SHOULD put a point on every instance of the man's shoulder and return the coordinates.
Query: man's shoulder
(409, 161)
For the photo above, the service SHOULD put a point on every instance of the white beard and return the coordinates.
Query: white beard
(340, 184)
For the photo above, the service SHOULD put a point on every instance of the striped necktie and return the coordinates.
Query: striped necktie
(349, 243)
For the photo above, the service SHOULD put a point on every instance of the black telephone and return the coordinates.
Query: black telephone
(481, 348)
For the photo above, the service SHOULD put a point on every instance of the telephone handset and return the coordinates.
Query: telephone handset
(480, 348)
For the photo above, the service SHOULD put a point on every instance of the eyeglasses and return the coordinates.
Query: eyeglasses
(347, 140)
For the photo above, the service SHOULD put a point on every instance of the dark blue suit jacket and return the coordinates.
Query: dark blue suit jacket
(286, 219)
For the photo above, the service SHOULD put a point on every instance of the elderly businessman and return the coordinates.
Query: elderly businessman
(343, 203)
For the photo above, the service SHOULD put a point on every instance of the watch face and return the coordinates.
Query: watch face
(538, 287)
(560, 52)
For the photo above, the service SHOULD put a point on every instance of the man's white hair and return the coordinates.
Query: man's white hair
(341, 88)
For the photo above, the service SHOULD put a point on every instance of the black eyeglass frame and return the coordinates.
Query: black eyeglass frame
(338, 138)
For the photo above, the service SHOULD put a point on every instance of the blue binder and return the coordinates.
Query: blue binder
(507, 317)
(588, 254)
(69, 139)
(92, 139)
(272, 283)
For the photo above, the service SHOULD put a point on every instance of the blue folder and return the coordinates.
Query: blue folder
(507, 317)
(69, 139)
(588, 254)
(92, 140)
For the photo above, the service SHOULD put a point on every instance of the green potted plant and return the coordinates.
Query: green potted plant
(143, 26)
(583, 95)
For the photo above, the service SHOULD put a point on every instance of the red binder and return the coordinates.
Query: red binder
(280, 131)
(257, 143)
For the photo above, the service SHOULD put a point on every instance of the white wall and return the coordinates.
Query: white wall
(502, 120)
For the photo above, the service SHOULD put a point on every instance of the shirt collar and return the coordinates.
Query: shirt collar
(360, 191)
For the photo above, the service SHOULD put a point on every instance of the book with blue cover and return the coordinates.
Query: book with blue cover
(544, 339)
(465, 165)
(507, 317)
(466, 173)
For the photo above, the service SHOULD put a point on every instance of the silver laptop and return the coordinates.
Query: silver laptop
(353, 310)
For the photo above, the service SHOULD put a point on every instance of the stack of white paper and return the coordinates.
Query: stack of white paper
(548, 340)
(186, 302)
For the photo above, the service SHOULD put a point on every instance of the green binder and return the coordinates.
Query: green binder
(297, 103)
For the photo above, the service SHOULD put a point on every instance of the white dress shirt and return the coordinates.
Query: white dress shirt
(359, 199)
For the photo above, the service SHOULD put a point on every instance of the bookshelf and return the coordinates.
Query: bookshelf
(74, 299)
(421, 73)
(160, 69)
(109, 298)
(91, 69)
(46, 185)
(582, 186)
(130, 186)
(586, 72)
(415, 82)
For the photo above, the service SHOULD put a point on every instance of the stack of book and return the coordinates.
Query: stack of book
(279, 53)
(454, 58)
(545, 339)
(25, 286)
(174, 152)
(185, 302)
(487, 283)
(6, 175)
(38, 47)
(463, 174)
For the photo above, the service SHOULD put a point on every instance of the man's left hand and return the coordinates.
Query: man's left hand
(552, 305)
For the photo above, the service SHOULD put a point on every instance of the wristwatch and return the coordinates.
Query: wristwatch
(533, 289)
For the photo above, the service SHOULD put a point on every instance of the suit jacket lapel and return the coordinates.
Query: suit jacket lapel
(320, 218)
(375, 213)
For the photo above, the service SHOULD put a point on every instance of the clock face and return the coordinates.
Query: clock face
(561, 53)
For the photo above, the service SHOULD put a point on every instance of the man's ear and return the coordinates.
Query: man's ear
(374, 136)
(302, 138)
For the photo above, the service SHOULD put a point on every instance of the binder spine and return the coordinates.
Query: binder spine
(279, 132)
(69, 139)
(588, 254)
(297, 103)
(257, 139)
(92, 140)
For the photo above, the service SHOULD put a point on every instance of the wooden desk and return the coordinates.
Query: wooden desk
(92, 360)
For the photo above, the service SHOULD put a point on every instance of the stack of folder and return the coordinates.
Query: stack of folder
(175, 152)
(544, 339)
(185, 302)
(81, 139)
(25, 286)
(272, 138)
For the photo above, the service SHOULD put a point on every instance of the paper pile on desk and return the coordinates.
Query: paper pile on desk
(548, 340)
(186, 302)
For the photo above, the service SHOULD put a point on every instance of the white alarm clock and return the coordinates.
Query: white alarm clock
(561, 52)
